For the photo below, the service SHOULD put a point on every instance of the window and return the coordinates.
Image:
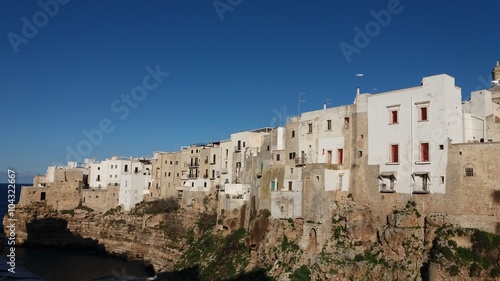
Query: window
(394, 116)
(291, 170)
(441, 147)
(341, 178)
(290, 184)
(243, 144)
(442, 179)
(394, 153)
(170, 162)
(293, 134)
(360, 154)
(291, 156)
(423, 114)
(340, 156)
(125, 169)
(205, 184)
(277, 157)
(346, 122)
(169, 174)
(469, 172)
(329, 125)
(98, 168)
(165, 174)
(272, 185)
(329, 156)
(310, 128)
(424, 152)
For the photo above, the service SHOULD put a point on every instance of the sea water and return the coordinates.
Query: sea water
(61, 264)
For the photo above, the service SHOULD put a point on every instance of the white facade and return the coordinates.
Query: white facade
(475, 112)
(409, 131)
(134, 185)
(226, 162)
(321, 135)
(337, 180)
(133, 176)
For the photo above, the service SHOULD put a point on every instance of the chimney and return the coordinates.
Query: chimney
(357, 90)
(324, 105)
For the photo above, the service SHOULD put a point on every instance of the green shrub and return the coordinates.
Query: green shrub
(475, 270)
(359, 258)
(453, 270)
(452, 243)
(301, 274)
(495, 272)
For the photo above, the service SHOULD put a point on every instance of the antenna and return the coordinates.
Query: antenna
(298, 108)
(357, 83)
(326, 102)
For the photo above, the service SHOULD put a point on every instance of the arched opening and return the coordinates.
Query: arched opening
(313, 241)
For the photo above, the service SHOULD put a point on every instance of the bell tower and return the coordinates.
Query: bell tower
(495, 73)
(495, 86)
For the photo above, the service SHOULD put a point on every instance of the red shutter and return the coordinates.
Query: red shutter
(423, 113)
(394, 153)
(424, 150)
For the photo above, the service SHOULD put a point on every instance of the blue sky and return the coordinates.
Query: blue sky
(226, 73)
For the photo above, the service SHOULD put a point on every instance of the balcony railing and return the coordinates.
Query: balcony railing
(421, 188)
(193, 165)
(223, 171)
(237, 148)
(386, 188)
(300, 161)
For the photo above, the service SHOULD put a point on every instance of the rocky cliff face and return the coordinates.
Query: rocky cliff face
(411, 246)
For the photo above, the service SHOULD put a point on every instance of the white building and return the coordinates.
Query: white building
(133, 176)
(134, 184)
(409, 131)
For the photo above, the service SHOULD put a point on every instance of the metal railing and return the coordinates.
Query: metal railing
(300, 160)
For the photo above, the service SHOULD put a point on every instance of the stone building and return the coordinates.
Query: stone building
(60, 188)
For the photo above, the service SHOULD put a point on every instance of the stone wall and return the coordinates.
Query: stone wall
(269, 174)
(473, 200)
(100, 200)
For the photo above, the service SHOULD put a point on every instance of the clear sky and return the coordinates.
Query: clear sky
(232, 65)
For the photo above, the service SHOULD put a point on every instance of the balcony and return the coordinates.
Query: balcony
(386, 188)
(193, 165)
(223, 171)
(237, 148)
(422, 188)
(300, 161)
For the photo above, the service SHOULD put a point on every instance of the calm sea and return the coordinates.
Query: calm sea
(60, 264)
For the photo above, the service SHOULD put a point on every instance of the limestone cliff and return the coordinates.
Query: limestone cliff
(411, 246)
